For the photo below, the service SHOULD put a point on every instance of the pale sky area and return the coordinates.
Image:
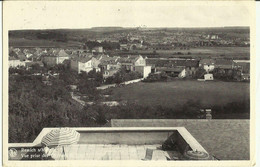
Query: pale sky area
(82, 14)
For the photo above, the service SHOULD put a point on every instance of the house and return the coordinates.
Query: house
(143, 70)
(131, 61)
(173, 71)
(21, 55)
(245, 77)
(85, 64)
(29, 64)
(98, 49)
(28, 52)
(243, 65)
(224, 64)
(124, 47)
(109, 73)
(107, 63)
(207, 64)
(208, 77)
(183, 74)
(15, 62)
(55, 57)
(174, 65)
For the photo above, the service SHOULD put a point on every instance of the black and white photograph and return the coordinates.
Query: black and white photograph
(153, 82)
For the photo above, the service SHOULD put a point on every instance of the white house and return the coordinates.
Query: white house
(182, 74)
(207, 64)
(15, 63)
(86, 64)
(98, 49)
(144, 70)
(131, 61)
(208, 77)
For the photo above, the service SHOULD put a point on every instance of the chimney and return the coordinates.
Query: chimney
(208, 114)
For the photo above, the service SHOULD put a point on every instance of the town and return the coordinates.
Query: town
(98, 76)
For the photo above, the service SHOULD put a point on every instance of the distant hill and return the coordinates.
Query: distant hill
(107, 28)
(58, 37)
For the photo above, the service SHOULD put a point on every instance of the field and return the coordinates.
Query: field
(22, 42)
(204, 52)
(179, 92)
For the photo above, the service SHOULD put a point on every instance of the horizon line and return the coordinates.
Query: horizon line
(126, 27)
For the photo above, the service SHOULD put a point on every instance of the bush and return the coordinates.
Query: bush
(123, 76)
(155, 77)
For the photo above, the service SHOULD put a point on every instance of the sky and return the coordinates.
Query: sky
(82, 14)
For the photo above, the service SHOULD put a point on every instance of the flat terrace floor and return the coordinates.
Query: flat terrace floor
(114, 152)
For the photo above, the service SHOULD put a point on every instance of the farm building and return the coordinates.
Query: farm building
(174, 66)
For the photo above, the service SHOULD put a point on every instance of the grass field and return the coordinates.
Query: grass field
(22, 42)
(179, 92)
(204, 52)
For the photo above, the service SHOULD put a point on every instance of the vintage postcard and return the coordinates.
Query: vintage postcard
(128, 83)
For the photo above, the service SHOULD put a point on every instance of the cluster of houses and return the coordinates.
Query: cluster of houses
(185, 68)
(82, 60)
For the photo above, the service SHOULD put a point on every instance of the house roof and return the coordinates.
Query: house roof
(82, 59)
(30, 63)
(208, 61)
(62, 53)
(13, 55)
(108, 60)
(172, 62)
(226, 139)
(129, 59)
(224, 62)
(244, 65)
(16, 55)
(171, 69)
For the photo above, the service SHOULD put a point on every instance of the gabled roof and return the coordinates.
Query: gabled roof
(208, 61)
(224, 62)
(62, 53)
(13, 55)
(172, 62)
(16, 55)
(83, 59)
(129, 59)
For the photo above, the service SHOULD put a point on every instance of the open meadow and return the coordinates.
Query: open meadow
(202, 52)
(171, 94)
(23, 43)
